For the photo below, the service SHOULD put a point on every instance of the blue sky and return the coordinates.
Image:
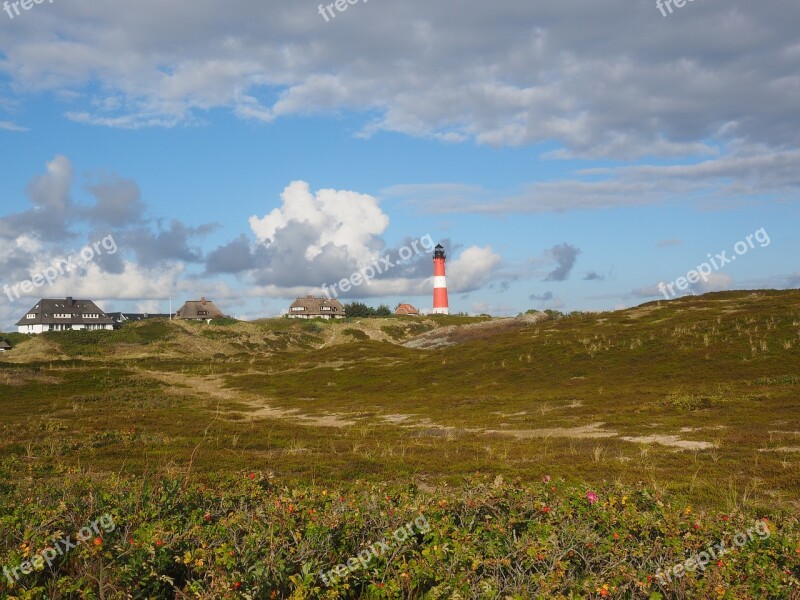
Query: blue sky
(569, 156)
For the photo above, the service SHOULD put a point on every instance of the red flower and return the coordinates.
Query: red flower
(159, 543)
(207, 517)
(237, 585)
(545, 509)
(616, 535)
(720, 563)
(591, 497)
(696, 526)
(546, 479)
(252, 475)
(98, 541)
(725, 517)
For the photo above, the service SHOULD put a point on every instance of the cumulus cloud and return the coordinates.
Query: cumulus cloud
(542, 297)
(474, 268)
(564, 255)
(343, 219)
(622, 94)
(716, 282)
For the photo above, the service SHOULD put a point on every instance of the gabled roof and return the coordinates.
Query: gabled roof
(199, 309)
(4, 345)
(406, 309)
(314, 306)
(45, 310)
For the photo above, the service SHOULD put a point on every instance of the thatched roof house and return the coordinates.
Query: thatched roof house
(316, 308)
(4, 346)
(199, 310)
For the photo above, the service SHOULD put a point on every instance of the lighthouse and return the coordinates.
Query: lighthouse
(440, 304)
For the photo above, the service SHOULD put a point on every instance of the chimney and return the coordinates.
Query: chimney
(69, 301)
(310, 297)
(203, 300)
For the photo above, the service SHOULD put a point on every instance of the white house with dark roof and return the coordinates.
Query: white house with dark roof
(64, 315)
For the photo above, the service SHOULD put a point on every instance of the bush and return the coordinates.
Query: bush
(356, 334)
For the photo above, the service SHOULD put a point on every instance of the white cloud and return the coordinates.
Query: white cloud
(345, 219)
(474, 268)
(717, 282)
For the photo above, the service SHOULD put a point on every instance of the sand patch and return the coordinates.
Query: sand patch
(672, 441)
(592, 431)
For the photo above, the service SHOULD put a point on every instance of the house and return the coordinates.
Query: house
(403, 310)
(316, 308)
(199, 310)
(4, 346)
(64, 315)
(120, 318)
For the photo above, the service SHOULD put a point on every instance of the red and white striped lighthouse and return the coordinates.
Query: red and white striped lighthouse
(440, 304)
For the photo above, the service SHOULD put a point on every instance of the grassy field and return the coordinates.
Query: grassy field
(689, 405)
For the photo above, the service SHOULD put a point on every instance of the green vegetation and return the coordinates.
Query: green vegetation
(671, 404)
(361, 310)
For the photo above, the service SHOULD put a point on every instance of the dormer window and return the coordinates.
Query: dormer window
(30, 316)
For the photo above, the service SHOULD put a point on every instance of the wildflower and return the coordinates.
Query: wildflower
(688, 510)
(252, 475)
(720, 563)
(98, 541)
(591, 497)
(616, 535)
(545, 509)
(237, 585)
(207, 517)
(546, 479)
(724, 517)
(696, 526)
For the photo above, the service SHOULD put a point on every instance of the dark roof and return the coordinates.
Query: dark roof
(45, 309)
(192, 309)
(4, 345)
(313, 306)
(120, 317)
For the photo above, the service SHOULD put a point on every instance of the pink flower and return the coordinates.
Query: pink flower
(591, 497)
(546, 479)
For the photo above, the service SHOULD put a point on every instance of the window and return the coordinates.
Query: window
(62, 316)
(328, 308)
(298, 308)
(91, 316)
(30, 316)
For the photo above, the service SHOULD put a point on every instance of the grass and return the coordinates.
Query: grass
(600, 400)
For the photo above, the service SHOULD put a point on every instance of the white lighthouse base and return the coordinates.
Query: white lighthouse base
(440, 311)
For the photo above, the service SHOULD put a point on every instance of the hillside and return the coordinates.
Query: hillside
(695, 401)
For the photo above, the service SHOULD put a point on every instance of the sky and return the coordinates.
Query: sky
(569, 155)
